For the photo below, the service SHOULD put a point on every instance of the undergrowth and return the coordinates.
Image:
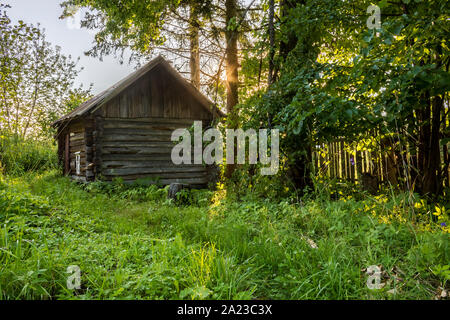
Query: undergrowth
(133, 243)
(19, 156)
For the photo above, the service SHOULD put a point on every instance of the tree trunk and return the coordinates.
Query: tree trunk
(289, 45)
(271, 40)
(431, 173)
(300, 167)
(232, 62)
(446, 169)
(194, 39)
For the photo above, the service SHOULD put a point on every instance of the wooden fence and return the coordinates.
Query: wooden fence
(339, 160)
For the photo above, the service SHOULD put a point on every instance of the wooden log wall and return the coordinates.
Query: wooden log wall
(60, 137)
(77, 143)
(129, 135)
(134, 149)
(89, 130)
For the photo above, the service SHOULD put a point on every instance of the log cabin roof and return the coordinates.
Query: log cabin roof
(99, 100)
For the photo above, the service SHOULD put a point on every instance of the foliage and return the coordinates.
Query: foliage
(340, 80)
(295, 235)
(191, 33)
(223, 249)
(194, 197)
(133, 24)
(18, 156)
(36, 80)
(132, 192)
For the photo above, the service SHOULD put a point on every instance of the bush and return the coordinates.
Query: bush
(18, 156)
(132, 192)
(194, 197)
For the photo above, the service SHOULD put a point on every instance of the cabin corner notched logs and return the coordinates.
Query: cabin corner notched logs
(125, 132)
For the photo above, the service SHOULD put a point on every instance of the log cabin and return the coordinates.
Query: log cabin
(125, 131)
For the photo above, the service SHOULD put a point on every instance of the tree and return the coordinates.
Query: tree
(271, 41)
(144, 27)
(340, 81)
(232, 64)
(36, 79)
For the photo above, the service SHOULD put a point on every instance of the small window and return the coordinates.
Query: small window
(78, 163)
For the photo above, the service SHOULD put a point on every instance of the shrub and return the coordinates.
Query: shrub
(194, 197)
(133, 192)
(18, 156)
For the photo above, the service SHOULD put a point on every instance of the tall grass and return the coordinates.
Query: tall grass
(18, 156)
(137, 245)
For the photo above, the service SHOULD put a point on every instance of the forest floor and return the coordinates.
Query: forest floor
(135, 244)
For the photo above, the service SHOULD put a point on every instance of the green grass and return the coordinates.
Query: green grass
(18, 156)
(134, 244)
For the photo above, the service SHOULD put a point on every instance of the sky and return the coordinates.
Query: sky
(72, 40)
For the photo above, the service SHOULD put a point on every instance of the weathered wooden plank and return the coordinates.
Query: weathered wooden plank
(191, 181)
(137, 171)
(82, 157)
(146, 164)
(136, 97)
(170, 103)
(81, 148)
(73, 169)
(146, 126)
(126, 157)
(66, 154)
(139, 132)
(89, 149)
(82, 162)
(99, 130)
(138, 150)
(154, 120)
(145, 106)
(135, 138)
(75, 129)
(77, 137)
(124, 106)
(77, 143)
(157, 109)
(160, 176)
(90, 175)
(111, 108)
(139, 144)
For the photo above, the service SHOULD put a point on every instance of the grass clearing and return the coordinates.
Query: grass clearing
(134, 244)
